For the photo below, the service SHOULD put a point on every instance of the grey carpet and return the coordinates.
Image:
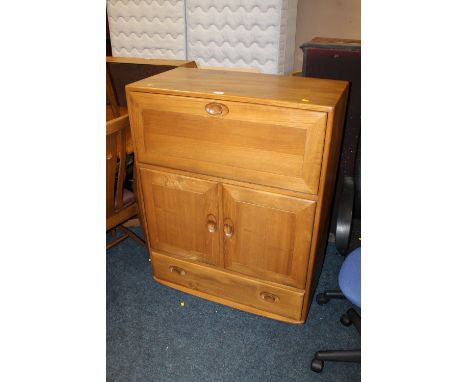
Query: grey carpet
(151, 337)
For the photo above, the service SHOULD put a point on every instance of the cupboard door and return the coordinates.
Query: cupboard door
(267, 235)
(182, 215)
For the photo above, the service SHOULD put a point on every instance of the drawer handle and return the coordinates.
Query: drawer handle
(211, 223)
(216, 108)
(228, 228)
(269, 297)
(178, 270)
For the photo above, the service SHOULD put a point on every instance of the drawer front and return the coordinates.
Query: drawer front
(273, 146)
(231, 287)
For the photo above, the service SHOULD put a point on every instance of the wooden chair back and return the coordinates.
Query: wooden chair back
(116, 140)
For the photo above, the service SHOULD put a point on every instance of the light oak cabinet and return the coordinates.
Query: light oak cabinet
(236, 174)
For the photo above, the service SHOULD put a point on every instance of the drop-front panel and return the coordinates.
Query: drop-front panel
(269, 145)
(236, 172)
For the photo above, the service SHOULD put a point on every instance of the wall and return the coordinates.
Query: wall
(326, 18)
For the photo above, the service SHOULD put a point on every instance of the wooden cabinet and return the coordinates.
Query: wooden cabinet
(236, 173)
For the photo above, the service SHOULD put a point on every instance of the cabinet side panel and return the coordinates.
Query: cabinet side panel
(330, 163)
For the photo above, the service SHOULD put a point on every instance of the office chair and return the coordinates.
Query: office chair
(349, 278)
(349, 281)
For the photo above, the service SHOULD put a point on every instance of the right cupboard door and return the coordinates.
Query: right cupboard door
(267, 235)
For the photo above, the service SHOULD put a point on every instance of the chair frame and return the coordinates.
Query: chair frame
(116, 154)
(351, 317)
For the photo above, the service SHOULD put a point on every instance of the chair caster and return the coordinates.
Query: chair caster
(344, 319)
(322, 299)
(316, 365)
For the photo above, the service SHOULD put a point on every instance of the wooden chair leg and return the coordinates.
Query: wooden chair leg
(133, 235)
(116, 241)
(135, 222)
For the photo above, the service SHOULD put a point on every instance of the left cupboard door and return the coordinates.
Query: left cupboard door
(182, 215)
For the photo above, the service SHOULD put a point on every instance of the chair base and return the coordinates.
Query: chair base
(325, 297)
(335, 356)
(351, 317)
(126, 234)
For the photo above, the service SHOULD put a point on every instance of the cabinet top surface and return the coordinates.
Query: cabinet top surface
(289, 91)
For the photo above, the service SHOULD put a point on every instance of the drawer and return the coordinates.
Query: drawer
(274, 146)
(281, 301)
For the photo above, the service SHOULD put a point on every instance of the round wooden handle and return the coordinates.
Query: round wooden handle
(211, 224)
(269, 297)
(211, 227)
(216, 108)
(228, 230)
(178, 270)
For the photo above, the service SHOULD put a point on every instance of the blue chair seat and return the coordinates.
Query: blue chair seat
(349, 278)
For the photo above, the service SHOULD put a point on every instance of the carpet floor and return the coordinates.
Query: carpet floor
(152, 337)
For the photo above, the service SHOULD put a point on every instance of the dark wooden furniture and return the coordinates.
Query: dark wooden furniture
(121, 71)
(340, 59)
